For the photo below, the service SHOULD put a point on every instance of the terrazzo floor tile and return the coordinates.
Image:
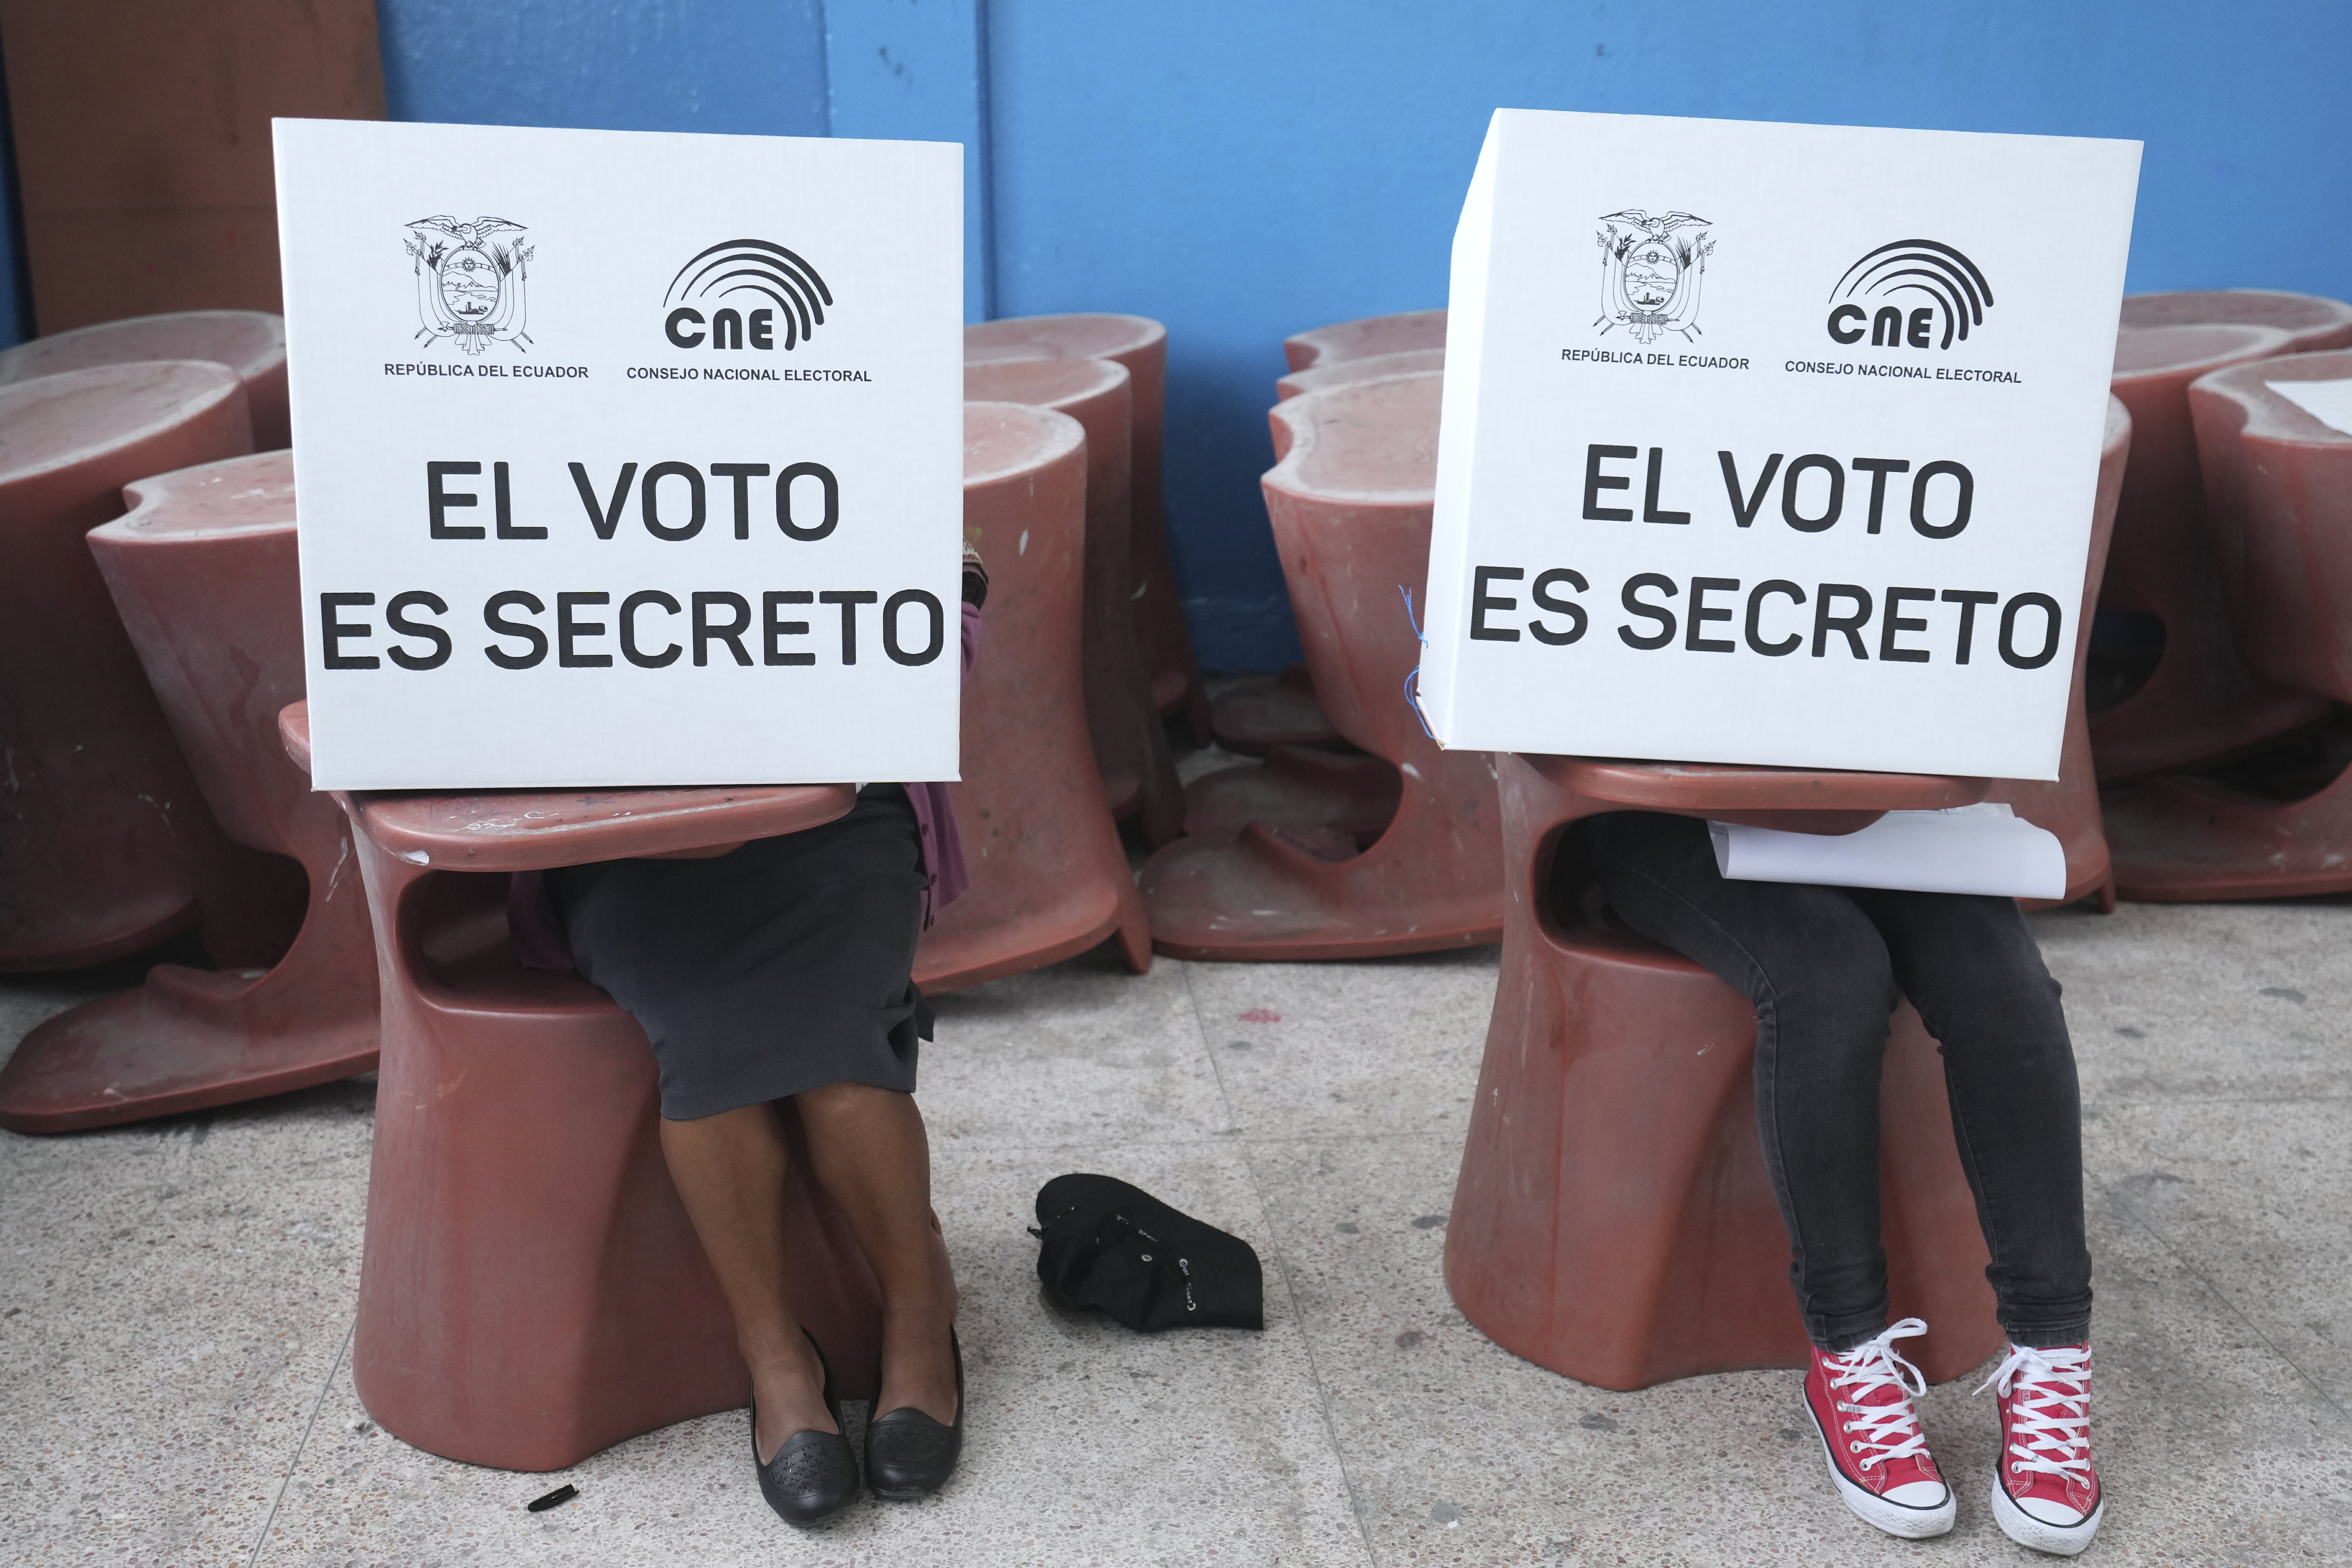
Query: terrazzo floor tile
(1463, 1452)
(2185, 1000)
(175, 1295)
(1084, 1052)
(1089, 1444)
(2251, 1198)
(1313, 1050)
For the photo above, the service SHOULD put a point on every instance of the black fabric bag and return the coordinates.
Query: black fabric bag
(1117, 1248)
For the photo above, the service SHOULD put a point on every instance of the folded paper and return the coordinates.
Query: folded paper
(1968, 849)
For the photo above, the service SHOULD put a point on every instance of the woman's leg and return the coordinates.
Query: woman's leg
(1818, 974)
(1972, 967)
(871, 1156)
(730, 1170)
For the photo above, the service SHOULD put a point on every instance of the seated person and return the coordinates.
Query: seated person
(1822, 966)
(783, 970)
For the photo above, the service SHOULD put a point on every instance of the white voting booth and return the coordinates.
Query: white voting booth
(1772, 444)
(625, 459)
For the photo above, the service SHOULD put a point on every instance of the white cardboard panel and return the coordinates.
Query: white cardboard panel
(530, 300)
(1672, 290)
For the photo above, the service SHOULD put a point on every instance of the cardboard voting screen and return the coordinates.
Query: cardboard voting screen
(1772, 444)
(624, 458)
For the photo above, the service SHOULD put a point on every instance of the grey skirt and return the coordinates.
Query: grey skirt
(784, 965)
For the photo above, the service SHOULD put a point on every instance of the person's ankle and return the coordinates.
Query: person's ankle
(788, 1391)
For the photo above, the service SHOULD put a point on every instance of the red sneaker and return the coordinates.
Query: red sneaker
(1861, 1404)
(2046, 1495)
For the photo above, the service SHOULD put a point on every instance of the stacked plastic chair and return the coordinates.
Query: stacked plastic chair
(108, 847)
(1258, 716)
(203, 572)
(1141, 345)
(1614, 1220)
(252, 343)
(2069, 808)
(1349, 501)
(530, 1289)
(1049, 879)
(2278, 488)
(2202, 703)
(1252, 717)
(1130, 740)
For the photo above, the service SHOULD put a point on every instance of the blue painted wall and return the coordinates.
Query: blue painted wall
(746, 66)
(1241, 170)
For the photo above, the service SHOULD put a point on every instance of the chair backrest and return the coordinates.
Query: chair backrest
(2163, 494)
(104, 801)
(203, 572)
(2278, 488)
(1098, 393)
(1337, 373)
(1137, 342)
(250, 342)
(1364, 337)
(1037, 835)
(1352, 493)
(2311, 322)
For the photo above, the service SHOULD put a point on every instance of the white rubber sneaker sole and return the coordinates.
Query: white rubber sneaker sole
(2058, 1540)
(1894, 1518)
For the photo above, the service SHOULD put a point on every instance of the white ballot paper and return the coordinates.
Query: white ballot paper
(2329, 402)
(1967, 849)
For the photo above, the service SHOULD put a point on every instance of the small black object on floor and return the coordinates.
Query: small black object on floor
(556, 1498)
(1115, 1247)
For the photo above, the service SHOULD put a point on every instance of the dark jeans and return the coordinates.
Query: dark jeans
(1822, 966)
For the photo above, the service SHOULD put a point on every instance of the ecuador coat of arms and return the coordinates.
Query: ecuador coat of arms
(1651, 268)
(470, 284)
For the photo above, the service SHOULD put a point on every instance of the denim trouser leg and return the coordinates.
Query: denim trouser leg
(1824, 968)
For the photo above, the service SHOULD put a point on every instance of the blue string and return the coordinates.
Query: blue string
(1412, 699)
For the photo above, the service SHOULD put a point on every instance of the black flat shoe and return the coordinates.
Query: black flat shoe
(815, 1474)
(910, 1455)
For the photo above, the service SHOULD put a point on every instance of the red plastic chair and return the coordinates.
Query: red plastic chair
(2278, 484)
(203, 572)
(1614, 1220)
(2069, 808)
(1252, 717)
(1141, 345)
(1049, 879)
(109, 847)
(250, 342)
(2311, 322)
(1335, 373)
(1364, 337)
(2202, 704)
(532, 1290)
(1130, 740)
(1350, 500)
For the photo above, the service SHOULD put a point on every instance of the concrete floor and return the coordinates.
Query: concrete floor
(176, 1307)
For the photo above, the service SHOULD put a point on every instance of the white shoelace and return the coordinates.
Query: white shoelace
(2050, 1426)
(1889, 1431)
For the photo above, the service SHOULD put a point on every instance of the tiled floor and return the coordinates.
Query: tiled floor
(177, 1301)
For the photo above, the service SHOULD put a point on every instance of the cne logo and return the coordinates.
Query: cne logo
(1651, 270)
(753, 269)
(470, 284)
(1955, 284)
